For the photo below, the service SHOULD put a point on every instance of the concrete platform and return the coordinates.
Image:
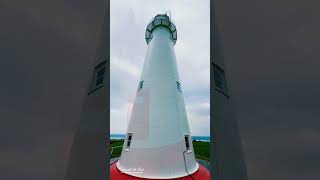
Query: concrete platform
(201, 174)
(204, 163)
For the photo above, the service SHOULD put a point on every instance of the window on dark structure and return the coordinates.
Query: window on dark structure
(99, 76)
(186, 140)
(178, 86)
(140, 86)
(219, 78)
(129, 140)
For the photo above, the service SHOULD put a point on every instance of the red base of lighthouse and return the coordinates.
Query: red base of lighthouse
(201, 174)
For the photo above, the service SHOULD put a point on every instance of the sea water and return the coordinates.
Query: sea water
(197, 138)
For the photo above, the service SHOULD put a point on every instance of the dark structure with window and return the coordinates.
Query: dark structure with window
(98, 77)
(227, 155)
(178, 87)
(220, 79)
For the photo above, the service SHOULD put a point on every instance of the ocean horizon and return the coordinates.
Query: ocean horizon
(197, 138)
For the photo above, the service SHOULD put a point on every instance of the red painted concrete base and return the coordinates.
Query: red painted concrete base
(201, 174)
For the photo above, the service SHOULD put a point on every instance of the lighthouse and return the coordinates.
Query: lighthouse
(89, 142)
(227, 157)
(158, 142)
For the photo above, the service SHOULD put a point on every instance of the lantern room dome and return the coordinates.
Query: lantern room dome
(161, 20)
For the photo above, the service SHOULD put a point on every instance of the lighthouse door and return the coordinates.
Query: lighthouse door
(187, 154)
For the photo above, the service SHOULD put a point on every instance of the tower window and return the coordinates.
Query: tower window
(99, 76)
(219, 78)
(178, 86)
(129, 140)
(186, 140)
(140, 85)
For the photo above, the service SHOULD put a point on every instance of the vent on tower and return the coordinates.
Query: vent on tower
(140, 86)
(129, 138)
(178, 86)
(186, 140)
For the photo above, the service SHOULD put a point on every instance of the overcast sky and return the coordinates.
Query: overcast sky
(271, 51)
(128, 21)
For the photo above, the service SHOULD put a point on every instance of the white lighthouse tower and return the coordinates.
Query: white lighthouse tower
(158, 143)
